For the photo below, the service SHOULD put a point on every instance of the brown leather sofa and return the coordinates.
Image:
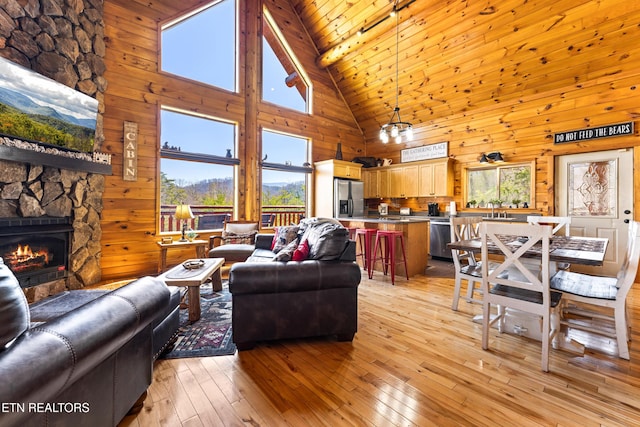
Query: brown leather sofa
(294, 299)
(78, 363)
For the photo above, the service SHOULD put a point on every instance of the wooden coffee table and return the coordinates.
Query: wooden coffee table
(192, 279)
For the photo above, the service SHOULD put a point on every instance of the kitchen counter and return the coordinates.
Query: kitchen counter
(415, 230)
(389, 219)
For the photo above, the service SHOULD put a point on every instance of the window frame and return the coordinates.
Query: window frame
(274, 30)
(307, 170)
(189, 156)
(498, 168)
(186, 16)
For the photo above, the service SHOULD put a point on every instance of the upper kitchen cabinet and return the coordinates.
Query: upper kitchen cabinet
(403, 181)
(339, 169)
(376, 183)
(427, 178)
(435, 178)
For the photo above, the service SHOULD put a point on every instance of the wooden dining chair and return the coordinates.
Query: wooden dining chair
(583, 294)
(467, 266)
(521, 288)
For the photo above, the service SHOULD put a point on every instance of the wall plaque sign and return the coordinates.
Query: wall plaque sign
(130, 152)
(431, 151)
(608, 131)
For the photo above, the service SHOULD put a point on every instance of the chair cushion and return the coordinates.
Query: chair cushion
(14, 308)
(239, 233)
(234, 252)
(584, 285)
(524, 294)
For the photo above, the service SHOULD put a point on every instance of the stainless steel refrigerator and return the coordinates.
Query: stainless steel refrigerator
(348, 198)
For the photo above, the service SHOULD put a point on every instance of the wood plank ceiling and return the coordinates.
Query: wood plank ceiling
(456, 56)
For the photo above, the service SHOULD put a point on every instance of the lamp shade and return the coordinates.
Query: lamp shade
(183, 212)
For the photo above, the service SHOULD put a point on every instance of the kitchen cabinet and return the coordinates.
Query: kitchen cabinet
(376, 183)
(403, 181)
(325, 172)
(436, 178)
(427, 178)
(339, 169)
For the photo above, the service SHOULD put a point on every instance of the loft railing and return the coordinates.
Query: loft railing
(212, 217)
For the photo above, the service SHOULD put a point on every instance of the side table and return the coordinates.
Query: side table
(199, 245)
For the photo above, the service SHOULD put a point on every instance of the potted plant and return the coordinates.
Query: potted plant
(516, 202)
(471, 203)
(496, 203)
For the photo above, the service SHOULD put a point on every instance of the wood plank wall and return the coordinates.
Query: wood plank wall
(136, 90)
(509, 80)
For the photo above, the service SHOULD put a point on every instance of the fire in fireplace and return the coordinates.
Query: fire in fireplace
(36, 250)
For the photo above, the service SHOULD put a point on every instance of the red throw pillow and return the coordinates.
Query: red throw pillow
(275, 238)
(302, 252)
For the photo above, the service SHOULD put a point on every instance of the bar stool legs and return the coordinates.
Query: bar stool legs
(364, 237)
(389, 258)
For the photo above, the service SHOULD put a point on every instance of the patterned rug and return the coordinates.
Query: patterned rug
(209, 336)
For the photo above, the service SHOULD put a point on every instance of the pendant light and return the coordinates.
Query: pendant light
(396, 129)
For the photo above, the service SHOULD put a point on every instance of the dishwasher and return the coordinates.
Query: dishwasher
(440, 235)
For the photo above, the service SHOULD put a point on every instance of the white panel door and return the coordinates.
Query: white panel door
(596, 191)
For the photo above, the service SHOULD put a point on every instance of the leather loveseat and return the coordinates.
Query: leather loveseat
(279, 299)
(85, 358)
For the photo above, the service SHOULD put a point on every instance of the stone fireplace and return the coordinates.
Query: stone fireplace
(48, 198)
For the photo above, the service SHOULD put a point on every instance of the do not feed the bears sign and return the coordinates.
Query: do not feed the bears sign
(608, 131)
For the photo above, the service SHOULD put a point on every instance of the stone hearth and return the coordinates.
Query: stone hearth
(36, 191)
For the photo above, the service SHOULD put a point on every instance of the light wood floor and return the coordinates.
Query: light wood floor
(414, 361)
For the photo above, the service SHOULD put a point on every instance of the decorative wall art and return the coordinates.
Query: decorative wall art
(592, 188)
(130, 152)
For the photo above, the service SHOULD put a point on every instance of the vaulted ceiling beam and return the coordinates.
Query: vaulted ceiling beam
(362, 36)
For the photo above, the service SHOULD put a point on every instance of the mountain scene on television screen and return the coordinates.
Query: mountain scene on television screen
(21, 117)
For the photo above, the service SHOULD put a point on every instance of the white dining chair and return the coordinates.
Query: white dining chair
(466, 266)
(582, 293)
(561, 224)
(521, 289)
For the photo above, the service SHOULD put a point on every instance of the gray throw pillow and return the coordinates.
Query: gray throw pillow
(14, 309)
(284, 236)
(287, 252)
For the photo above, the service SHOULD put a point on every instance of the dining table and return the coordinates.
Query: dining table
(562, 249)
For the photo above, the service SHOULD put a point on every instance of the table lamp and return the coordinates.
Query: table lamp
(183, 212)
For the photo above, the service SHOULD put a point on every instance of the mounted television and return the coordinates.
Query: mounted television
(38, 109)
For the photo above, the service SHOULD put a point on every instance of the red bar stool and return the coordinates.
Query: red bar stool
(389, 258)
(352, 233)
(364, 237)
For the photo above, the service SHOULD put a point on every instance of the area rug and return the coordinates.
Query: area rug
(211, 334)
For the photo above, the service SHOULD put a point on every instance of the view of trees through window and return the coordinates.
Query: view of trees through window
(284, 178)
(194, 167)
(510, 185)
(198, 152)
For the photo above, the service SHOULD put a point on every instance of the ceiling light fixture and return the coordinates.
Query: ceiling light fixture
(396, 129)
(496, 156)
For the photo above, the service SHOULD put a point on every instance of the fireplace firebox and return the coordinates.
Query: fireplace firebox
(36, 250)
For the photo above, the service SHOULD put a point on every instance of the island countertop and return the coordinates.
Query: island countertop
(389, 219)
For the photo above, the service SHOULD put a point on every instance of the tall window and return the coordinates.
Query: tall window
(285, 177)
(284, 82)
(202, 45)
(196, 168)
(502, 185)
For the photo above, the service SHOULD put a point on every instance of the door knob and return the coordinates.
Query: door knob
(626, 221)
(627, 211)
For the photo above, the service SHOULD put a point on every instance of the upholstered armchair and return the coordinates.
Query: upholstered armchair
(236, 243)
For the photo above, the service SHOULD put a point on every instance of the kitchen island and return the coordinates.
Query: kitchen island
(415, 230)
